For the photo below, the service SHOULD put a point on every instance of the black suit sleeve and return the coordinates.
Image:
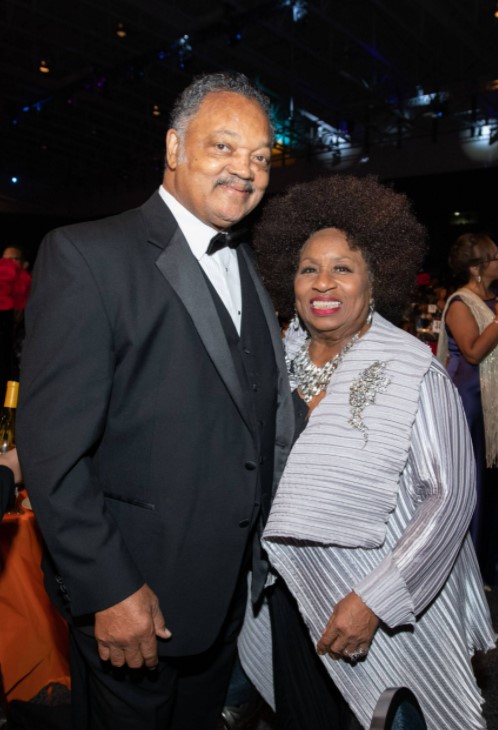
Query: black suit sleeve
(6, 488)
(67, 376)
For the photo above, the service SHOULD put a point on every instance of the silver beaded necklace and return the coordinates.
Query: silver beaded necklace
(311, 378)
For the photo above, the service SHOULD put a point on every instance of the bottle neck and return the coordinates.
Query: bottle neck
(11, 394)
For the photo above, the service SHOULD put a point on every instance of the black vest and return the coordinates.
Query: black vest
(254, 362)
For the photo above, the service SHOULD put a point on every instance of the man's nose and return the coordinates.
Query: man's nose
(240, 165)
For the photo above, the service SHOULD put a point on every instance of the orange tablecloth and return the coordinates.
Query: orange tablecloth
(33, 636)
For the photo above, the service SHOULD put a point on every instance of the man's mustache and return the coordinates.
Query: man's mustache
(246, 185)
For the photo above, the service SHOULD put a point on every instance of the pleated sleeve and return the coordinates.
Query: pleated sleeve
(440, 473)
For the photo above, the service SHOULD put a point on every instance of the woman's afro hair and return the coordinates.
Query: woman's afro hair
(374, 218)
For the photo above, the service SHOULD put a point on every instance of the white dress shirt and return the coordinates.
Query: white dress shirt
(222, 267)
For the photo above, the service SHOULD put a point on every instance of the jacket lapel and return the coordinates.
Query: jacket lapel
(180, 268)
(285, 411)
(269, 311)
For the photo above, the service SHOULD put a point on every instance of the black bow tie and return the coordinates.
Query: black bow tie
(231, 239)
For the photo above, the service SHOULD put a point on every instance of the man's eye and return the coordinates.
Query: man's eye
(342, 269)
(222, 146)
(307, 270)
(262, 160)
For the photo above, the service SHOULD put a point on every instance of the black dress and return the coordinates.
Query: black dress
(305, 696)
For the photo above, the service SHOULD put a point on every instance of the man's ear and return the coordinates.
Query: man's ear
(172, 147)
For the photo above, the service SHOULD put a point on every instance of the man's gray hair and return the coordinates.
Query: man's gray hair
(188, 103)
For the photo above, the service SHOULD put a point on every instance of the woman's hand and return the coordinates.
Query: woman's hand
(349, 631)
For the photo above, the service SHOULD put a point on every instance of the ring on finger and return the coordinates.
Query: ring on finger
(358, 653)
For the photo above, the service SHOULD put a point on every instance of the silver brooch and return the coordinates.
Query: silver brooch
(363, 391)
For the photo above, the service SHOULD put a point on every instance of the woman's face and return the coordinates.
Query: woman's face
(332, 286)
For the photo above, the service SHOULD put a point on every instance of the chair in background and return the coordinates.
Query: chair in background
(398, 709)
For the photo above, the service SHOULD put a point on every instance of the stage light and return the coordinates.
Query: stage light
(14, 180)
(120, 31)
(43, 67)
(299, 10)
(156, 112)
(184, 50)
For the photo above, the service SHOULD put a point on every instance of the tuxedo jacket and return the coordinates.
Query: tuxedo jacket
(137, 450)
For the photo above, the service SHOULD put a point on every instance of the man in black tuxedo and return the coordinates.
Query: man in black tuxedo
(154, 422)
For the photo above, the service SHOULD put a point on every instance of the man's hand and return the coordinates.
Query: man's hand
(349, 631)
(126, 633)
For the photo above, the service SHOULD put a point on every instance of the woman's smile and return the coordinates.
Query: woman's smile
(323, 307)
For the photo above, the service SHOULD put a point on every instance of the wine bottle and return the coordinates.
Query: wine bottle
(8, 417)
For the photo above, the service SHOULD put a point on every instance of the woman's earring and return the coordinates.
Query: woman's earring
(478, 278)
(371, 310)
(294, 324)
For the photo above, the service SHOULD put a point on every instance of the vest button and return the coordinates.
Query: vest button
(247, 350)
(250, 465)
(244, 523)
(254, 386)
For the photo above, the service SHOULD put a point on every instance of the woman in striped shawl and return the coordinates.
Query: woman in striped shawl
(374, 581)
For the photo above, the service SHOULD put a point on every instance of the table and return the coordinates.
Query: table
(33, 636)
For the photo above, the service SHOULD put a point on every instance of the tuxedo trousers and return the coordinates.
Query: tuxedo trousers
(183, 693)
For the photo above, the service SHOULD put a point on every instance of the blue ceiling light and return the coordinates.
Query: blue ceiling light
(299, 10)
(184, 50)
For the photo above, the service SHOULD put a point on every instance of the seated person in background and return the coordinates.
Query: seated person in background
(10, 475)
(376, 581)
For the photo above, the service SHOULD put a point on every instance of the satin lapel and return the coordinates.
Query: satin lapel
(269, 312)
(181, 270)
(285, 412)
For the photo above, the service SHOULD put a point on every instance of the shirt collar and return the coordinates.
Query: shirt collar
(197, 233)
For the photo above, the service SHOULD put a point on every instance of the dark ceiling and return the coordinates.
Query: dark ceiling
(362, 74)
